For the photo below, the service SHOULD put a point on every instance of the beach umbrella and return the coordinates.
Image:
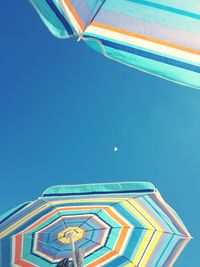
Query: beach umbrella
(158, 37)
(118, 224)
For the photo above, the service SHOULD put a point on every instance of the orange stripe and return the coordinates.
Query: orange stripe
(51, 214)
(18, 246)
(102, 259)
(39, 221)
(73, 11)
(105, 257)
(121, 240)
(143, 37)
(116, 217)
(124, 230)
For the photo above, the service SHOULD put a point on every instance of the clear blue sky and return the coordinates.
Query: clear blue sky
(63, 107)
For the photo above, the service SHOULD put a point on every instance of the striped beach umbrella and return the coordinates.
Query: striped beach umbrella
(156, 36)
(118, 224)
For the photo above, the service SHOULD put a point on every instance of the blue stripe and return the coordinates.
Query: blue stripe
(37, 255)
(167, 245)
(6, 252)
(30, 221)
(15, 211)
(61, 18)
(149, 55)
(173, 252)
(125, 212)
(167, 8)
(119, 261)
(99, 193)
(135, 238)
(159, 214)
(147, 246)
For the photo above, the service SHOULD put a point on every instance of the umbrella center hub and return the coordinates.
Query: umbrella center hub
(69, 234)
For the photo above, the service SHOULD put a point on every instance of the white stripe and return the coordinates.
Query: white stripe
(21, 255)
(109, 259)
(129, 231)
(70, 16)
(13, 252)
(145, 44)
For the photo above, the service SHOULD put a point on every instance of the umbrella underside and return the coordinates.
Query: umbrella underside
(133, 227)
(158, 37)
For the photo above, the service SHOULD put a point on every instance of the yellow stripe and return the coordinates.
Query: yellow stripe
(143, 246)
(41, 208)
(146, 215)
(89, 200)
(150, 249)
(131, 264)
(23, 220)
(148, 235)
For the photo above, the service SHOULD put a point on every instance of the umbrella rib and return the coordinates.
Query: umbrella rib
(110, 250)
(92, 18)
(95, 14)
(123, 255)
(98, 212)
(145, 229)
(90, 218)
(52, 205)
(126, 199)
(118, 255)
(165, 220)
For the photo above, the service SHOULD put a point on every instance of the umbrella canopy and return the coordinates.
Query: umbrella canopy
(119, 224)
(158, 37)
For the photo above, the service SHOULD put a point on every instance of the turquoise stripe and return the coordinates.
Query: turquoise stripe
(27, 248)
(11, 212)
(167, 8)
(163, 70)
(180, 4)
(96, 255)
(50, 19)
(149, 13)
(172, 57)
(168, 249)
(94, 188)
(136, 238)
(157, 261)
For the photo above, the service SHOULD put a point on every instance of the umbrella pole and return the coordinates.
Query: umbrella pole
(73, 250)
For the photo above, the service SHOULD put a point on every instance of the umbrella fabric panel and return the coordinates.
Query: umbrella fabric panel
(179, 4)
(158, 38)
(131, 229)
(11, 212)
(106, 257)
(167, 213)
(24, 218)
(176, 71)
(53, 17)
